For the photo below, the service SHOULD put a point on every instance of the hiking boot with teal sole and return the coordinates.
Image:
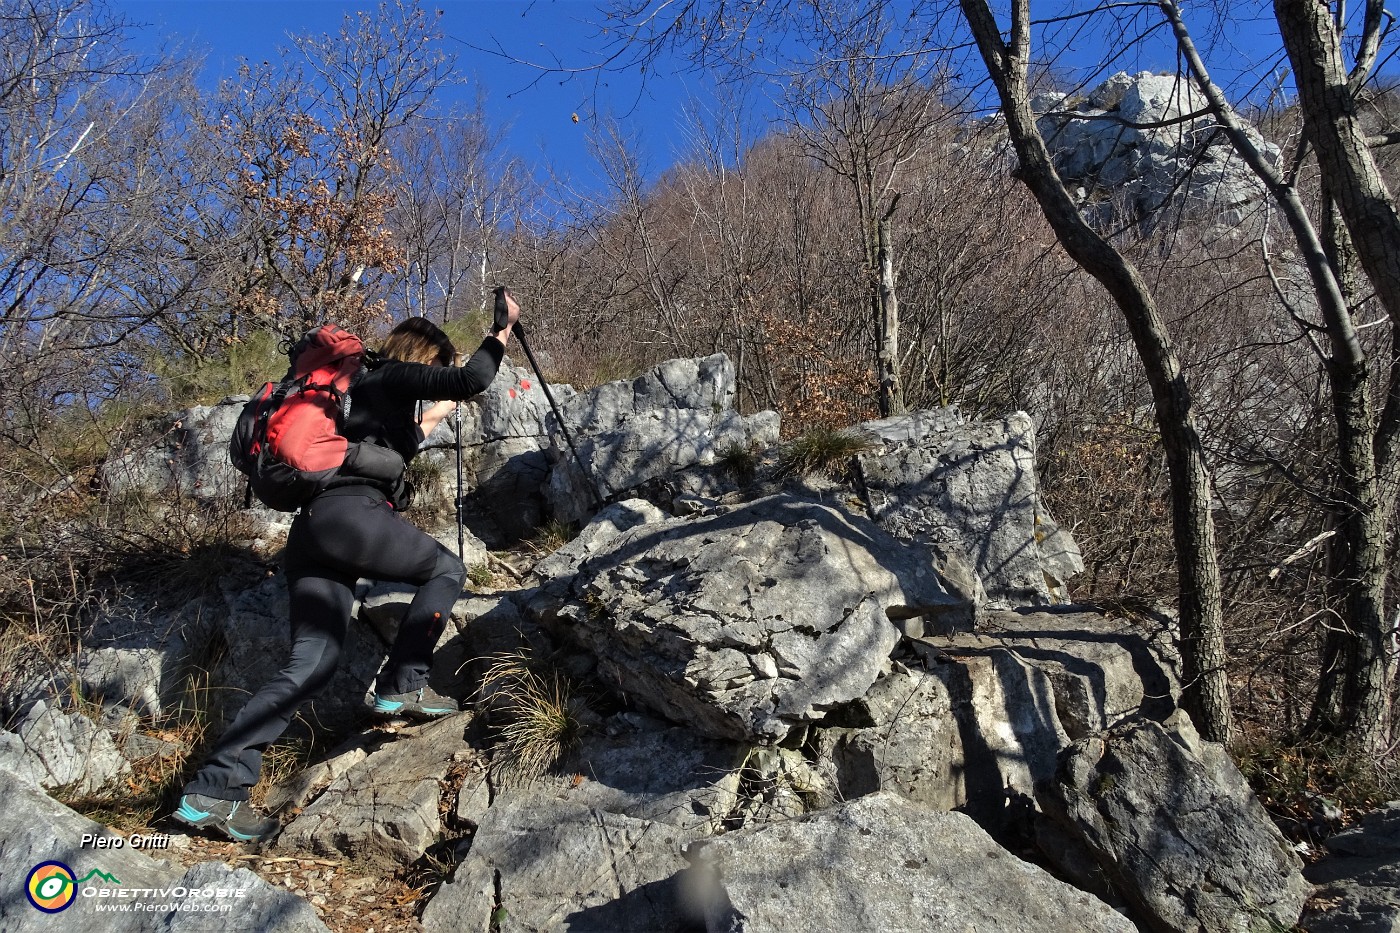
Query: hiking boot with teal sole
(423, 703)
(234, 818)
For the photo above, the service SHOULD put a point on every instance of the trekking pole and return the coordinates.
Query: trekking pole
(502, 319)
(461, 500)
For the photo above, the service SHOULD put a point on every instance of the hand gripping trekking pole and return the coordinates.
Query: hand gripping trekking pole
(502, 322)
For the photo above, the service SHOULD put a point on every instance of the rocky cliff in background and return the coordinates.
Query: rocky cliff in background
(1141, 148)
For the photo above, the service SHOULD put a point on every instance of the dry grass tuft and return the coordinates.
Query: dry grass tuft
(539, 716)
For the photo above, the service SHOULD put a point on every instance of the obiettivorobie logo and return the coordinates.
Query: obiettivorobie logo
(51, 886)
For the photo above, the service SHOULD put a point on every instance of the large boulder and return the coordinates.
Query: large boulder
(1358, 882)
(744, 623)
(971, 491)
(882, 863)
(538, 864)
(1175, 830)
(383, 809)
(627, 433)
(35, 829)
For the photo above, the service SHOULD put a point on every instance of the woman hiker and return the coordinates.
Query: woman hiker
(342, 534)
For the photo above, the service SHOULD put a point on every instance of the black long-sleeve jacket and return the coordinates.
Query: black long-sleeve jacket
(384, 399)
(382, 420)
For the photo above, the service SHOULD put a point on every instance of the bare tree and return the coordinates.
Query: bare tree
(458, 192)
(865, 114)
(86, 184)
(316, 177)
(1355, 705)
(1205, 694)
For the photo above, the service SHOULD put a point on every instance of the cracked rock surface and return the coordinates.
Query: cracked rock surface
(749, 622)
(384, 808)
(554, 865)
(1173, 824)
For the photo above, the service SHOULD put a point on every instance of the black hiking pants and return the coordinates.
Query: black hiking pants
(341, 535)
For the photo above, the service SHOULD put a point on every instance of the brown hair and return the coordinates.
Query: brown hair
(419, 340)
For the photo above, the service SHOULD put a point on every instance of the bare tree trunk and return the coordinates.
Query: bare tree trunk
(1369, 459)
(1206, 692)
(891, 389)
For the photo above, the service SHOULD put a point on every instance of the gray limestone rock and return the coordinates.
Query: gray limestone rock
(901, 737)
(1102, 669)
(563, 866)
(1358, 882)
(190, 456)
(384, 808)
(556, 572)
(1175, 828)
(504, 461)
(1128, 148)
(970, 491)
(747, 622)
(882, 863)
(299, 789)
(655, 771)
(129, 677)
(257, 634)
(628, 433)
(56, 750)
(978, 721)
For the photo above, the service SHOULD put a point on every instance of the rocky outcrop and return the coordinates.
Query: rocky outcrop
(1138, 144)
(62, 751)
(383, 809)
(630, 432)
(753, 620)
(882, 863)
(971, 492)
(552, 865)
(1358, 882)
(800, 703)
(190, 457)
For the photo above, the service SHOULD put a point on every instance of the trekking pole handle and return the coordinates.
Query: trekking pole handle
(501, 319)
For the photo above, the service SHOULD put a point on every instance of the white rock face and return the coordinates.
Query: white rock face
(677, 415)
(1136, 147)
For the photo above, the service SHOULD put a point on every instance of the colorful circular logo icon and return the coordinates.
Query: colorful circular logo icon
(51, 886)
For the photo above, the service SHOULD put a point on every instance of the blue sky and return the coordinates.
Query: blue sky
(537, 108)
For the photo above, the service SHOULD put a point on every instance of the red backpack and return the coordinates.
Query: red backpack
(288, 437)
